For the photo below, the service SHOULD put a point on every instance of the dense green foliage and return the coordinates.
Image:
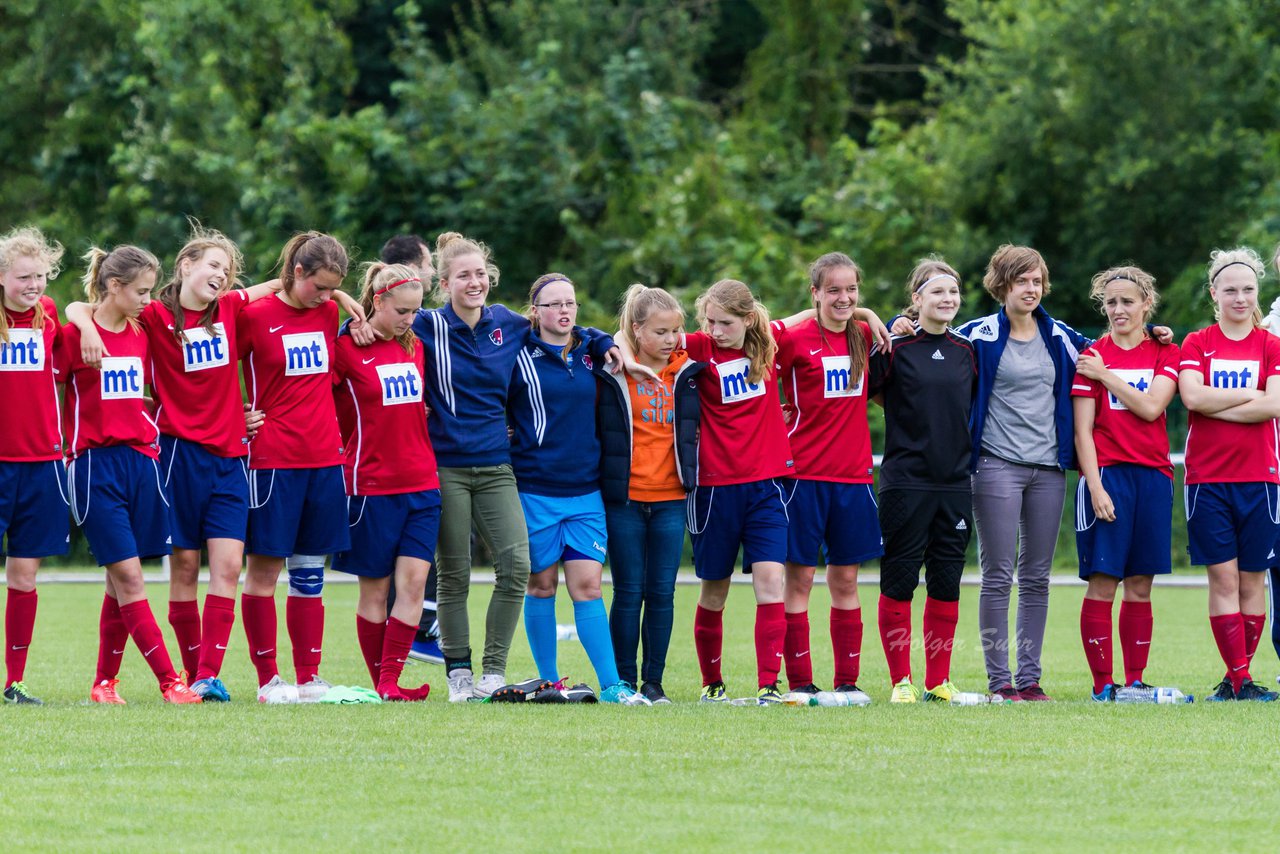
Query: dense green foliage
(667, 141)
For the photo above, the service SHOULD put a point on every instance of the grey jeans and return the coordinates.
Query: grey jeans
(1017, 510)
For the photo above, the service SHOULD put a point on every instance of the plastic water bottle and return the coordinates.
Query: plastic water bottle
(970, 698)
(1162, 695)
(840, 698)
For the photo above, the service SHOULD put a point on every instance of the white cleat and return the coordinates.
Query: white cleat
(277, 691)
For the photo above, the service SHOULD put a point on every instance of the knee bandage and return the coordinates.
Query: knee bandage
(306, 575)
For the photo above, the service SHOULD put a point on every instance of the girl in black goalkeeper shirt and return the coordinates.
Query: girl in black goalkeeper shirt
(925, 384)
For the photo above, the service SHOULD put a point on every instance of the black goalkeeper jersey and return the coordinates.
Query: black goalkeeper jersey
(927, 384)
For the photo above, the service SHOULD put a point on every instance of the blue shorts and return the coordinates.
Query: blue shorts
(33, 509)
(1232, 521)
(751, 516)
(117, 499)
(1139, 541)
(385, 527)
(840, 520)
(208, 494)
(564, 528)
(301, 511)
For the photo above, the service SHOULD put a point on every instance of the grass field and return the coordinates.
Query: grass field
(1065, 775)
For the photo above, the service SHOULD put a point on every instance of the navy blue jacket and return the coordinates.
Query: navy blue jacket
(615, 420)
(989, 335)
(551, 407)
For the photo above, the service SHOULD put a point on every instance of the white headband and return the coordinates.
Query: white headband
(934, 279)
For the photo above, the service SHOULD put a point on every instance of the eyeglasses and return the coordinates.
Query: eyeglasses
(558, 306)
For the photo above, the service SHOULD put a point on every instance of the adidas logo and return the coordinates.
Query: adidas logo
(536, 353)
(937, 354)
(1273, 554)
(961, 526)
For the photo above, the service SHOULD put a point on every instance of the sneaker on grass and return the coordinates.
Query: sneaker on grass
(211, 690)
(624, 695)
(487, 684)
(860, 697)
(277, 692)
(769, 695)
(904, 692)
(105, 692)
(461, 687)
(178, 692)
(1250, 690)
(18, 694)
(714, 693)
(654, 694)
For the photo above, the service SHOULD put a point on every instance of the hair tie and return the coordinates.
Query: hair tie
(1215, 276)
(934, 279)
(381, 291)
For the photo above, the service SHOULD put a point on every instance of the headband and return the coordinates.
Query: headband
(1123, 279)
(934, 279)
(1214, 277)
(534, 296)
(381, 291)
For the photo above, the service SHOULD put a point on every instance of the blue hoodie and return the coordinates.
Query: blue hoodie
(468, 375)
(556, 449)
(989, 335)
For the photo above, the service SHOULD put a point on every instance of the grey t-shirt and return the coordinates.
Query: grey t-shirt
(1020, 426)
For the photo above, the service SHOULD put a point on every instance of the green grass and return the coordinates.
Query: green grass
(434, 776)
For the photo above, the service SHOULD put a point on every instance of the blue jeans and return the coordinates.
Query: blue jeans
(646, 541)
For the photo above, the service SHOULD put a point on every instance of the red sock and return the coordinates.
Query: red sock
(1228, 631)
(895, 637)
(1095, 635)
(371, 636)
(708, 640)
(259, 614)
(940, 620)
(771, 628)
(395, 649)
(19, 622)
(846, 644)
(184, 616)
(1253, 627)
(304, 616)
(795, 650)
(145, 632)
(219, 617)
(112, 636)
(1135, 638)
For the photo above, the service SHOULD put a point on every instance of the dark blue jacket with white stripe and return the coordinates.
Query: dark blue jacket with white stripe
(989, 335)
(555, 449)
(468, 376)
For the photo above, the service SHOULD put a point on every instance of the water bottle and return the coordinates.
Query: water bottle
(840, 698)
(970, 698)
(1150, 694)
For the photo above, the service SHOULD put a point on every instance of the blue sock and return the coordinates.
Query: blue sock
(593, 630)
(540, 626)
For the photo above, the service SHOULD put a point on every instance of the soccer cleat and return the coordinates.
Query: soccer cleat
(518, 692)
(947, 692)
(769, 695)
(426, 649)
(860, 697)
(554, 694)
(1107, 694)
(178, 693)
(211, 690)
(805, 689)
(624, 695)
(904, 692)
(277, 692)
(18, 694)
(1138, 683)
(487, 684)
(461, 688)
(1034, 693)
(1250, 690)
(1222, 692)
(313, 691)
(579, 693)
(105, 692)
(654, 694)
(714, 693)
(1006, 694)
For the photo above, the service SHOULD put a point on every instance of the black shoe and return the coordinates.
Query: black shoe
(519, 692)
(550, 694)
(652, 691)
(1250, 690)
(17, 693)
(1223, 692)
(805, 689)
(848, 688)
(580, 693)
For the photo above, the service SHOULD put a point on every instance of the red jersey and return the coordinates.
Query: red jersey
(383, 418)
(1220, 451)
(829, 434)
(196, 383)
(288, 360)
(107, 407)
(1118, 434)
(31, 365)
(742, 437)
